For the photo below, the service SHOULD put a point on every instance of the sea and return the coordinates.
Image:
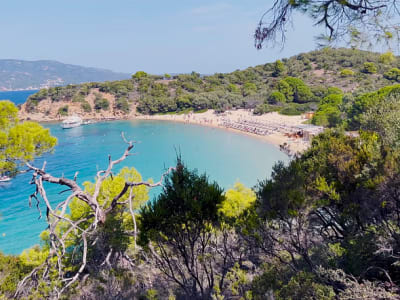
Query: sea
(226, 157)
(18, 97)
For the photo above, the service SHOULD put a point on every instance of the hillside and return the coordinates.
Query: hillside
(290, 86)
(21, 74)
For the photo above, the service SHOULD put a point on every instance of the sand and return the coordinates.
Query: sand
(209, 118)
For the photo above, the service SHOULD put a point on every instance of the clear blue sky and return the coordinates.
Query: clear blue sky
(154, 36)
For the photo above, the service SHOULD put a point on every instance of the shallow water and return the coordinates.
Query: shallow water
(225, 156)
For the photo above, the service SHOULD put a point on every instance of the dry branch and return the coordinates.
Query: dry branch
(97, 216)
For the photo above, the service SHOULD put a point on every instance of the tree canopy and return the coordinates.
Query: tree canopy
(349, 18)
(20, 142)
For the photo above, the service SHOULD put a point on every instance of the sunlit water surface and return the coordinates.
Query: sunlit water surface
(225, 156)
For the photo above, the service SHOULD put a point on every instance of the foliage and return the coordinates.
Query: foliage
(249, 88)
(139, 75)
(295, 109)
(86, 106)
(387, 58)
(279, 69)
(350, 21)
(101, 103)
(369, 68)
(63, 111)
(189, 200)
(20, 142)
(346, 73)
(393, 74)
(323, 226)
(237, 200)
(328, 113)
(383, 118)
(12, 270)
(365, 101)
(183, 225)
(295, 89)
(122, 105)
(276, 97)
(265, 108)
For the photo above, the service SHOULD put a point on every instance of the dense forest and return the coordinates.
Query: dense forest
(324, 226)
(291, 86)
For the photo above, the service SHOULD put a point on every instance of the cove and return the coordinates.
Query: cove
(225, 156)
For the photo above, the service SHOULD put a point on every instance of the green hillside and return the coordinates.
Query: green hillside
(269, 87)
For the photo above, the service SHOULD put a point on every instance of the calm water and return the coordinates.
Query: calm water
(225, 156)
(18, 97)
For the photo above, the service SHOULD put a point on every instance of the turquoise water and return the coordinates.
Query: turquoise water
(18, 97)
(225, 156)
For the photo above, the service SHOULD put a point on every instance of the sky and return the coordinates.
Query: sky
(150, 35)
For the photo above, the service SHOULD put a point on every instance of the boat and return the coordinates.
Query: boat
(4, 178)
(87, 122)
(71, 122)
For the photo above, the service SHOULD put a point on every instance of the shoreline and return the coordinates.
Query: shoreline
(277, 139)
(272, 127)
(268, 139)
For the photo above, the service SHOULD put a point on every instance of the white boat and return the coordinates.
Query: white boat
(4, 178)
(71, 122)
(87, 122)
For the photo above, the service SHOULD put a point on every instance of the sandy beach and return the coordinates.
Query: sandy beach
(271, 127)
(273, 119)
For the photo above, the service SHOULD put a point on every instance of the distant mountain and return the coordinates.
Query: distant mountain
(22, 75)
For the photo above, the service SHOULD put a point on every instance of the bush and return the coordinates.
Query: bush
(393, 74)
(369, 68)
(296, 89)
(276, 97)
(86, 106)
(139, 75)
(249, 88)
(101, 103)
(346, 73)
(295, 109)
(279, 69)
(387, 58)
(122, 105)
(63, 111)
(265, 108)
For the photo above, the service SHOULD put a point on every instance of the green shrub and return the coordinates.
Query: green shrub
(63, 111)
(276, 97)
(279, 69)
(290, 111)
(140, 75)
(101, 103)
(265, 108)
(346, 73)
(249, 88)
(369, 68)
(122, 105)
(86, 106)
(295, 89)
(387, 58)
(392, 74)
